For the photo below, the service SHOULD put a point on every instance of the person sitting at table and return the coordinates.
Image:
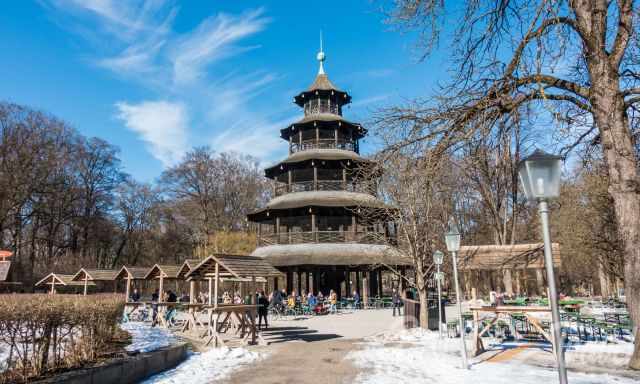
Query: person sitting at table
(320, 297)
(263, 310)
(311, 300)
(237, 299)
(226, 298)
(303, 297)
(291, 300)
(135, 296)
(356, 299)
(333, 302)
(171, 298)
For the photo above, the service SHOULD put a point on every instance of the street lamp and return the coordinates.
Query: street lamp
(452, 238)
(540, 177)
(438, 258)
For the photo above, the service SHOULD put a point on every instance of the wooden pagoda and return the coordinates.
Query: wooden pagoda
(315, 229)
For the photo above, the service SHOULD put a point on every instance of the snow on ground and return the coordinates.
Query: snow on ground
(207, 367)
(420, 356)
(601, 354)
(145, 338)
(4, 355)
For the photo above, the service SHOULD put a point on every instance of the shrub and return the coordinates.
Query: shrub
(42, 332)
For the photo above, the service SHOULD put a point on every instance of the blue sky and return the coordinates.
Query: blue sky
(156, 77)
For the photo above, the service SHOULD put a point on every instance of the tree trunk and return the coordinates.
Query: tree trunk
(423, 294)
(624, 187)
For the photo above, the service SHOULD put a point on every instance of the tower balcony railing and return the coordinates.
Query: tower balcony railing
(325, 185)
(324, 237)
(304, 145)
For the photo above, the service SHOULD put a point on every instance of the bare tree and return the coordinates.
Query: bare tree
(577, 60)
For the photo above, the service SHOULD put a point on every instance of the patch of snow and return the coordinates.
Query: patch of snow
(425, 358)
(602, 354)
(208, 366)
(145, 338)
(4, 356)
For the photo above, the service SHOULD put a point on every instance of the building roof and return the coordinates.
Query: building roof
(506, 256)
(167, 271)
(5, 266)
(324, 199)
(233, 266)
(135, 273)
(60, 279)
(331, 254)
(187, 266)
(322, 84)
(320, 118)
(95, 274)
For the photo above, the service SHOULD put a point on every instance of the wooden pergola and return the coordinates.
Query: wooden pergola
(162, 273)
(217, 267)
(488, 267)
(54, 279)
(130, 274)
(93, 275)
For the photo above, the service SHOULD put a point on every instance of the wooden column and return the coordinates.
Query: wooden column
(540, 281)
(289, 180)
(317, 136)
(128, 289)
(344, 178)
(215, 286)
(300, 140)
(53, 285)
(299, 280)
(290, 145)
(347, 280)
(289, 280)
(314, 227)
(161, 289)
(335, 134)
(307, 281)
(315, 178)
(86, 283)
(365, 289)
(253, 290)
(210, 301)
(259, 233)
(507, 280)
(277, 229)
(358, 289)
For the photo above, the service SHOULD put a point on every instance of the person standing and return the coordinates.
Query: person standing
(333, 301)
(263, 310)
(397, 301)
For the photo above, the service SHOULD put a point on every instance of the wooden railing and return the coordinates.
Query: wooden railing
(322, 144)
(325, 185)
(324, 237)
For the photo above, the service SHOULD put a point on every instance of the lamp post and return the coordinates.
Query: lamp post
(452, 238)
(540, 177)
(438, 257)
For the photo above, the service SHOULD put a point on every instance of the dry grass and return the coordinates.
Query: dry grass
(48, 332)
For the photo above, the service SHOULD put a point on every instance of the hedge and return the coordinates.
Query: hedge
(41, 332)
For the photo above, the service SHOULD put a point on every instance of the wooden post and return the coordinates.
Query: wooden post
(508, 283)
(335, 133)
(210, 292)
(53, 285)
(215, 287)
(315, 178)
(161, 288)
(128, 289)
(253, 290)
(540, 281)
(86, 283)
(313, 227)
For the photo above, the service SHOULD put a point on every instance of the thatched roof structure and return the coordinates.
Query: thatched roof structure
(331, 254)
(133, 273)
(324, 199)
(517, 256)
(95, 274)
(233, 266)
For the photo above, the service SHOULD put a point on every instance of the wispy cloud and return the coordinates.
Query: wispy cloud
(161, 124)
(212, 40)
(138, 43)
(370, 100)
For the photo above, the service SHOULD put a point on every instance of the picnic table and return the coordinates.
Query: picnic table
(222, 318)
(510, 311)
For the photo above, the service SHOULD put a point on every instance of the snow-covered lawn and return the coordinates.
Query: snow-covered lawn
(144, 338)
(419, 356)
(207, 367)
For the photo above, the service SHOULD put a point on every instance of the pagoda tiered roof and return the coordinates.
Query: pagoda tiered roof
(329, 120)
(322, 86)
